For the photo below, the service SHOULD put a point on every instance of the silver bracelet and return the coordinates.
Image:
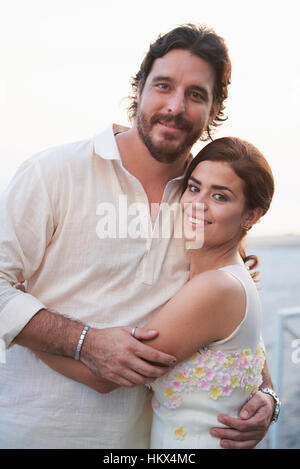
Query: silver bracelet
(80, 342)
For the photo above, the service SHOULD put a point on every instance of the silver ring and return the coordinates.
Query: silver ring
(133, 331)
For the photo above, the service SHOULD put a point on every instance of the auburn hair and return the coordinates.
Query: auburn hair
(252, 167)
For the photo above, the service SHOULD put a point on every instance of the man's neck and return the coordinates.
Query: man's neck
(152, 174)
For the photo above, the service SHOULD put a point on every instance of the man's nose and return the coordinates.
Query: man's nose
(176, 103)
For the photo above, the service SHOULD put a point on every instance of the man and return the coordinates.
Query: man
(76, 277)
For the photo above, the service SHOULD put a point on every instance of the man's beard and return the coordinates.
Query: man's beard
(163, 152)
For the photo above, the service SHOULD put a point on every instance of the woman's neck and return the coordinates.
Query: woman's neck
(207, 258)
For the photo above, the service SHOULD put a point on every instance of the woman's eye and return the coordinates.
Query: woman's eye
(220, 197)
(193, 188)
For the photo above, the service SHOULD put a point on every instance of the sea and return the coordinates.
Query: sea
(279, 289)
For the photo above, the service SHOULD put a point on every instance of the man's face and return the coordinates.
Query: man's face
(175, 105)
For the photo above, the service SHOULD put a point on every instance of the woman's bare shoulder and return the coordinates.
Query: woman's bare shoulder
(216, 283)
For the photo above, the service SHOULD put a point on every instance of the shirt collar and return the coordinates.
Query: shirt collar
(105, 144)
(106, 147)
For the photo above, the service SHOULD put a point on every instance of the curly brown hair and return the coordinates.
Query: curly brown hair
(200, 41)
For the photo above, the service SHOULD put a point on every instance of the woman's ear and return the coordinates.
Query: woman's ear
(251, 217)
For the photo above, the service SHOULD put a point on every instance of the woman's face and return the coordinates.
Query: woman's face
(214, 203)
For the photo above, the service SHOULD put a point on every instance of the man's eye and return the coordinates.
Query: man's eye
(161, 86)
(220, 197)
(196, 95)
(193, 188)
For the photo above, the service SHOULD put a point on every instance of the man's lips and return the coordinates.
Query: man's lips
(172, 123)
(171, 127)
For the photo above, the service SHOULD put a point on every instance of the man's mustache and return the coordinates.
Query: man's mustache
(179, 120)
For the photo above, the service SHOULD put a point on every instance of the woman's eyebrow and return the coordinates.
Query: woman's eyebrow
(215, 186)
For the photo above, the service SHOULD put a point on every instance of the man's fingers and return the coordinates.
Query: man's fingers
(229, 444)
(253, 406)
(149, 353)
(231, 434)
(144, 334)
(242, 425)
(154, 356)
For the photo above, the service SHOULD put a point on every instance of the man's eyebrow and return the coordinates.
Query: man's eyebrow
(161, 78)
(215, 186)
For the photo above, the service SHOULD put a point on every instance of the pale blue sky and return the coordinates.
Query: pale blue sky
(66, 65)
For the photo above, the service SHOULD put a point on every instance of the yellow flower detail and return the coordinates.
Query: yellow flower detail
(254, 389)
(228, 362)
(249, 371)
(168, 393)
(200, 372)
(194, 356)
(215, 392)
(179, 377)
(180, 433)
(247, 353)
(235, 381)
(260, 352)
(248, 387)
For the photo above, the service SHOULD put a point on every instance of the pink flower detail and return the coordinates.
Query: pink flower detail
(205, 385)
(225, 379)
(210, 375)
(221, 356)
(226, 391)
(176, 385)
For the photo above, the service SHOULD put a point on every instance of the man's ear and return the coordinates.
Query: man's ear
(251, 217)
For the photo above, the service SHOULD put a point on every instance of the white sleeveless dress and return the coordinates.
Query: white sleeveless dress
(217, 379)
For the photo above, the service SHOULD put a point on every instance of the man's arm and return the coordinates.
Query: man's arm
(111, 353)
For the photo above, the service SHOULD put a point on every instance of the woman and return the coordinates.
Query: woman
(212, 325)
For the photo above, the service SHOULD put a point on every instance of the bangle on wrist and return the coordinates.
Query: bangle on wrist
(80, 343)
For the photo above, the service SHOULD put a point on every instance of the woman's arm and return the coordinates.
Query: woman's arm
(207, 308)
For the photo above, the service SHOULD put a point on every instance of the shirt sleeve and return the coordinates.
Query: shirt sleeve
(26, 229)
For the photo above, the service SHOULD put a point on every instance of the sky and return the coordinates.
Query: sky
(65, 69)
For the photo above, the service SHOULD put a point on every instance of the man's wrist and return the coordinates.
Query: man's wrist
(276, 401)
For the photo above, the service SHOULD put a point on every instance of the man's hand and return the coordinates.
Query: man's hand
(115, 355)
(248, 430)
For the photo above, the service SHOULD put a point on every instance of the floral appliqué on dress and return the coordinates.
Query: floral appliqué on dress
(215, 372)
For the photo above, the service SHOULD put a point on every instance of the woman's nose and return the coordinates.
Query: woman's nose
(199, 206)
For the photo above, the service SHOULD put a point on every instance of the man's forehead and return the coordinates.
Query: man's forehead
(178, 63)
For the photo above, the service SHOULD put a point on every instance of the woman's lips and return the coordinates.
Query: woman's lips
(196, 222)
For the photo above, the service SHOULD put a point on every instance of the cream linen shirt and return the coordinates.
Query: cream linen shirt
(49, 237)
